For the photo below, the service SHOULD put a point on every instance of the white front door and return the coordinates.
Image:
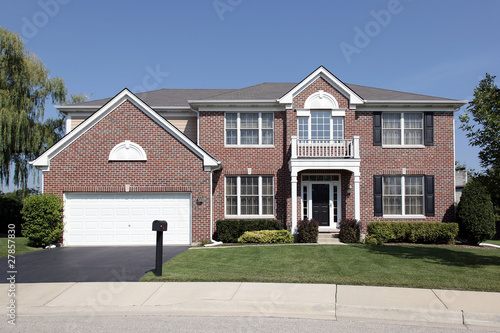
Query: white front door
(321, 200)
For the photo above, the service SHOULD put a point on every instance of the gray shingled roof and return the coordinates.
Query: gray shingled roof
(263, 91)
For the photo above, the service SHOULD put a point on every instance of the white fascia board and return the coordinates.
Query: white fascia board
(243, 108)
(330, 78)
(169, 108)
(44, 159)
(75, 109)
(198, 105)
(426, 102)
(232, 101)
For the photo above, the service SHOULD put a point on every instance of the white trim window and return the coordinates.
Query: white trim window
(402, 129)
(250, 196)
(320, 125)
(403, 195)
(249, 128)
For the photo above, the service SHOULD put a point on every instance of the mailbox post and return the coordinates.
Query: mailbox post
(159, 226)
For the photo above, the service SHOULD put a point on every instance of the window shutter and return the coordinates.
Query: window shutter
(377, 196)
(429, 195)
(377, 128)
(429, 128)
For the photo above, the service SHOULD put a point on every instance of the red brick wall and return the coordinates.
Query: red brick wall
(237, 161)
(437, 160)
(83, 166)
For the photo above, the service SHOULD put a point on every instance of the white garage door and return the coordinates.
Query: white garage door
(126, 218)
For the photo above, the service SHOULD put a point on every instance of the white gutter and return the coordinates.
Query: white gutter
(393, 101)
(214, 242)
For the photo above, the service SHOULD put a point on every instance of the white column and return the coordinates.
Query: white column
(356, 146)
(357, 197)
(294, 204)
(294, 147)
(68, 123)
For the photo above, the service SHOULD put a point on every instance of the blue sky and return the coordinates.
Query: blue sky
(440, 48)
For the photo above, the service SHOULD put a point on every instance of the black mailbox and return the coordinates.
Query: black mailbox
(159, 225)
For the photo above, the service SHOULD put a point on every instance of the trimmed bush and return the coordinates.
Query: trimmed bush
(371, 240)
(307, 231)
(350, 231)
(43, 219)
(413, 232)
(475, 214)
(266, 236)
(228, 231)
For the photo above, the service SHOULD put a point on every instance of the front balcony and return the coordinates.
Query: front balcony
(325, 149)
(315, 155)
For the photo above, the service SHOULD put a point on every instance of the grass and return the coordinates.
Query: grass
(491, 241)
(20, 246)
(415, 266)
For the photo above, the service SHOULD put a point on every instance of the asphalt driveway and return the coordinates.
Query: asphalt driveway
(87, 264)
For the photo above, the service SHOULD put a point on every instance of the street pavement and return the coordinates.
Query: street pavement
(460, 309)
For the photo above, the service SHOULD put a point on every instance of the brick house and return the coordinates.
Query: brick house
(318, 149)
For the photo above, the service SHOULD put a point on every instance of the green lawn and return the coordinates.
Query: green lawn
(491, 241)
(20, 246)
(440, 267)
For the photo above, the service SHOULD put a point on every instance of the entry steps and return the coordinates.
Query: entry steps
(329, 238)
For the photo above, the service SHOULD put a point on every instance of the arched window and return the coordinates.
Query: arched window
(127, 151)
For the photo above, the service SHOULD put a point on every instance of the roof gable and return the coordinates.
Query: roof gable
(322, 72)
(44, 159)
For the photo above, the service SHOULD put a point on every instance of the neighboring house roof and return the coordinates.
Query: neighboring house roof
(268, 91)
(110, 105)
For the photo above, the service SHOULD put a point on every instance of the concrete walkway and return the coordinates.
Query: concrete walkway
(335, 302)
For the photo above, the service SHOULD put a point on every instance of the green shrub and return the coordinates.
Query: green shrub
(475, 214)
(307, 231)
(372, 240)
(350, 231)
(413, 232)
(43, 219)
(228, 231)
(266, 236)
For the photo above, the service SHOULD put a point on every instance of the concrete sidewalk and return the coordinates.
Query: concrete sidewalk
(335, 302)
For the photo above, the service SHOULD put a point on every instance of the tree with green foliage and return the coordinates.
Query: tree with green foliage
(475, 215)
(43, 224)
(10, 209)
(25, 86)
(484, 130)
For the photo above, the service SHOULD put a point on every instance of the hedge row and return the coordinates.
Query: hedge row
(266, 236)
(228, 231)
(412, 232)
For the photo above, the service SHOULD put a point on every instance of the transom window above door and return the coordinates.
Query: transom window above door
(320, 125)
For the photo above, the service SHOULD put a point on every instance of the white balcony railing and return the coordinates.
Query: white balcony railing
(325, 148)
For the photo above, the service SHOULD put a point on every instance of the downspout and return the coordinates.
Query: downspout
(214, 242)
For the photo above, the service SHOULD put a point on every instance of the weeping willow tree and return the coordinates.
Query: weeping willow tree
(25, 86)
